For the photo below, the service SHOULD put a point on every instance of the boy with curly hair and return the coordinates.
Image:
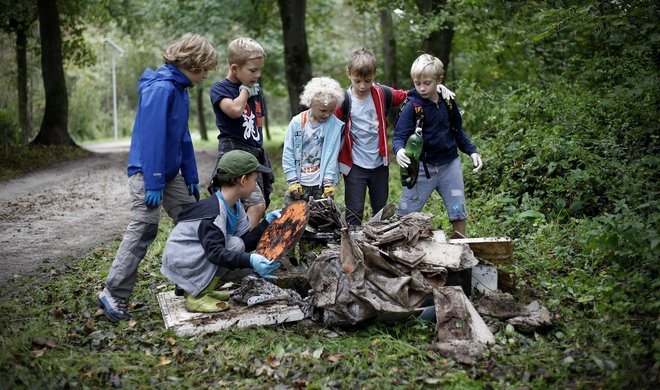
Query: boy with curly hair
(311, 143)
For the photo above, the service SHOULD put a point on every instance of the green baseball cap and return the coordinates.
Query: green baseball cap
(237, 163)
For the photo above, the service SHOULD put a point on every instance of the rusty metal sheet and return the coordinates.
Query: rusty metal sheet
(283, 234)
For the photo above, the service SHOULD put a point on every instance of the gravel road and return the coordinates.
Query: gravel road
(53, 216)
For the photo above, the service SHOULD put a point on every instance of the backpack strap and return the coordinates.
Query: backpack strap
(346, 106)
(387, 91)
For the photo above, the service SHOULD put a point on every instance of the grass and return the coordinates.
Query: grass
(19, 160)
(604, 333)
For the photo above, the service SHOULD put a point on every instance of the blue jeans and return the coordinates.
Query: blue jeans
(447, 179)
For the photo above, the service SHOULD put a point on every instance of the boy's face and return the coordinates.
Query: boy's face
(247, 184)
(426, 86)
(320, 111)
(249, 72)
(195, 77)
(361, 85)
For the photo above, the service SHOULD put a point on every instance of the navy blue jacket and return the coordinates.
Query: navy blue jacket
(440, 143)
(161, 145)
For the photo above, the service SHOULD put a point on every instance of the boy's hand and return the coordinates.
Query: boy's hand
(193, 189)
(295, 190)
(402, 159)
(476, 161)
(445, 92)
(329, 191)
(273, 215)
(252, 91)
(263, 266)
(153, 198)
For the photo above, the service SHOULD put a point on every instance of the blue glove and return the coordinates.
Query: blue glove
(193, 189)
(273, 215)
(263, 266)
(153, 198)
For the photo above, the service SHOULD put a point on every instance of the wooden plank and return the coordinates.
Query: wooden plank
(185, 323)
(497, 250)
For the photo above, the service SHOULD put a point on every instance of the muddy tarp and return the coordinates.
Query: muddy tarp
(373, 289)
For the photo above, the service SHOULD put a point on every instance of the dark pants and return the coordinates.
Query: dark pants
(356, 183)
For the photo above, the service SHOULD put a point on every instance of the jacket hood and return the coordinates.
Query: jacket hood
(166, 72)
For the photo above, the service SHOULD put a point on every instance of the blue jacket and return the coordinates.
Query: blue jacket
(161, 145)
(440, 143)
(292, 153)
(196, 246)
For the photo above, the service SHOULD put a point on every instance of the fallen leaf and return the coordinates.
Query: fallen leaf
(317, 353)
(39, 352)
(58, 314)
(163, 360)
(132, 323)
(171, 341)
(335, 358)
(87, 374)
(273, 361)
(44, 342)
(99, 312)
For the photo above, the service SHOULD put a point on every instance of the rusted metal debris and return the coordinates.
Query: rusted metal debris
(284, 232)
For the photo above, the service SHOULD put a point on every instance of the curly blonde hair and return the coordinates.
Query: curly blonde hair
(241, 50)
(322, 89)
(192, 52)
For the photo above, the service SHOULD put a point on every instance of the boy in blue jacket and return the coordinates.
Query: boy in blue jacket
(211, 242)
(161, 161)
(442, 133)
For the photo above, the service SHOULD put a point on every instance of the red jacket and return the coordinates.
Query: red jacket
(345, 153)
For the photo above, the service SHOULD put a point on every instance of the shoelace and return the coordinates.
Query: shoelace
(119, 303)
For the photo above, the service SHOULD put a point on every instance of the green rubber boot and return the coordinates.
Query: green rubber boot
(209, 300)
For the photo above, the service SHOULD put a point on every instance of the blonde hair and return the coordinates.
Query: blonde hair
(427, 65)
(362, 63)
(192, 52)
(241, 50)
(323, 90)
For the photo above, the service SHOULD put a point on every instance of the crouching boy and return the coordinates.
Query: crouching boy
(212, 241)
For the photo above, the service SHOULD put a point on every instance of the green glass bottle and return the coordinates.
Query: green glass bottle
(413, 151)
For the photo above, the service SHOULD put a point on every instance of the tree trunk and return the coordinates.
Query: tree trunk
(298, 66)
(200, 112)
(438, 42)
(21, 65)
(54, 126)
(389, 48)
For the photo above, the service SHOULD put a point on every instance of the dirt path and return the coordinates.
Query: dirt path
(52, 216)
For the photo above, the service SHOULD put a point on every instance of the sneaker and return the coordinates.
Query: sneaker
(114, 307)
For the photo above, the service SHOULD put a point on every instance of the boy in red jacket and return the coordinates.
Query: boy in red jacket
(364, 156)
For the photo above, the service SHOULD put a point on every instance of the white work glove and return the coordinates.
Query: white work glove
(445, 92)
(476, 161)
(402, 159)
(252, 91)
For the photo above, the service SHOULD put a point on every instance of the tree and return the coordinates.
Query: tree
(297, 64)
(18, 18)
(389, 47)
(54, 125)
(439, 40)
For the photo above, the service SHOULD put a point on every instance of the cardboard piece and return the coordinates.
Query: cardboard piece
(496, 250)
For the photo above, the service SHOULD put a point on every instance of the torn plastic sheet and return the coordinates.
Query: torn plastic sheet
(374, 289)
